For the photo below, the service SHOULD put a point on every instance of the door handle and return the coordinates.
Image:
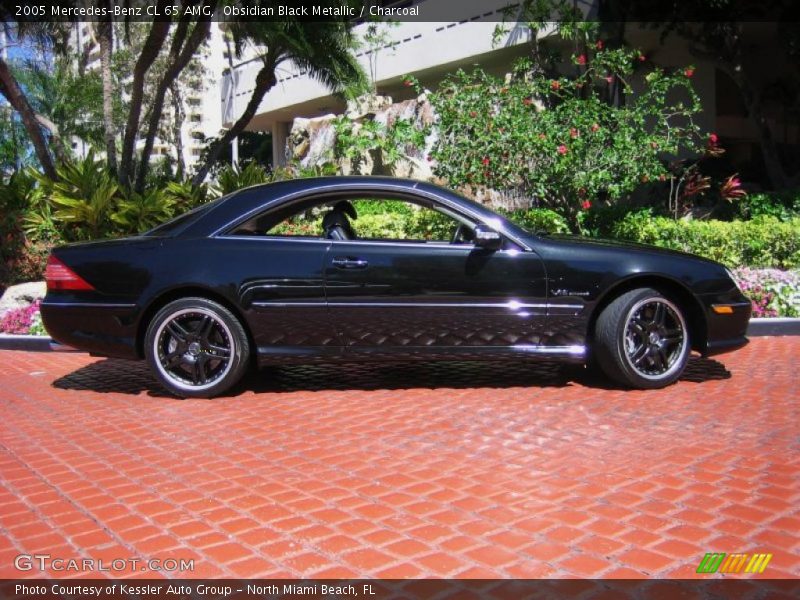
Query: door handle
(347, 262)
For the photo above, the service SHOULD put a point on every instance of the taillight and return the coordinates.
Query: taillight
(60, 277)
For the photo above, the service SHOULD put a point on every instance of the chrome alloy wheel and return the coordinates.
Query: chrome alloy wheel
(655, 338)
(194, 349)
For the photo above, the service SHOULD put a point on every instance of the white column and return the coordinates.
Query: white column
(280, 133)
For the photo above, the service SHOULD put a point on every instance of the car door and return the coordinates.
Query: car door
(279, 282)
(425, 297)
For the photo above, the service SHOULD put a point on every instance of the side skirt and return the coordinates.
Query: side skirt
(272, 355)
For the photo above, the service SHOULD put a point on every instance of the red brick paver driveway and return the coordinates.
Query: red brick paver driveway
(478, 470)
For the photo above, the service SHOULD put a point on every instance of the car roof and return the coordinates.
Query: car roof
(250, 200)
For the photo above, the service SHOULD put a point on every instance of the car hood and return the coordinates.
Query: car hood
(622, 245)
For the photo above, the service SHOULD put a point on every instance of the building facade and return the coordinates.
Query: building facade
(431, 50)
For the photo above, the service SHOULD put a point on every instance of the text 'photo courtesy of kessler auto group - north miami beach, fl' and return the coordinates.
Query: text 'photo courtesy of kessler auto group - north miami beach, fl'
(414, 299)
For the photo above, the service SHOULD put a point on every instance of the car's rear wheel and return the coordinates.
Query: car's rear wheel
(642, 340)
(197, 348)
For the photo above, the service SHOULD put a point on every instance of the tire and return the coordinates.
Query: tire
(196, 348)
(642, 340)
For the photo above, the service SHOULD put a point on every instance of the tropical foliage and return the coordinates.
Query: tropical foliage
(559, 140)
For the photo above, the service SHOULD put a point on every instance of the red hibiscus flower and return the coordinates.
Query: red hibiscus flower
(582, 59)
(562, 149)
(586, 205)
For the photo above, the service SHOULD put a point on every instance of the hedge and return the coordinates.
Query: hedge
(762, 242)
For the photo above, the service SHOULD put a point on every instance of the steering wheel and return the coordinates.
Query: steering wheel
(462, 234)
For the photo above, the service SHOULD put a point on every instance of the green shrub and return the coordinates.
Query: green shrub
(22, 257)
(539, 219)
(371, 207)
(26, 261)
(230, 179)
(185, 196)
(140, 212)
(384, 226)
(760, 242)
(600, 221)
(783, 205)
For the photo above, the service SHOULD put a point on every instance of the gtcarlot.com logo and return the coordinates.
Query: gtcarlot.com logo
(719, 562)
(28, 562)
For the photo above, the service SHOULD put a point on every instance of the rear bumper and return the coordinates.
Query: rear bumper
(99, 328)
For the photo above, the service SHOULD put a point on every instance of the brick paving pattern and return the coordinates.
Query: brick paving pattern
(476, 470)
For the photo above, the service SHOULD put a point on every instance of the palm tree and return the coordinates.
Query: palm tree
(70, 100)
(43, 35)
(324, 50)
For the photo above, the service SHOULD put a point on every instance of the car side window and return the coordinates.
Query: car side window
(360, 218)
(302, 220)
(379, 219)
(306, 223)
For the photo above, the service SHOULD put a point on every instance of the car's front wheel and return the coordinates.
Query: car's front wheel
(641, 339)
(197, 348)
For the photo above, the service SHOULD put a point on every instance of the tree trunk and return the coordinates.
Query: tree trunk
(105, 33)
(9, 87)
(152, 46)
(177, 130)
(265, 80)
(55, 138)
(182, 54)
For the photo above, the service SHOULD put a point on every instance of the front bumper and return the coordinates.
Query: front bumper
(726, 324)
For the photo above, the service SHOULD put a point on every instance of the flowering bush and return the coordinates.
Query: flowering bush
(773, 293)
(37, 326)
(20, 320)
(563, 141)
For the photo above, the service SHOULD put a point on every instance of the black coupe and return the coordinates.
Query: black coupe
(280, 272)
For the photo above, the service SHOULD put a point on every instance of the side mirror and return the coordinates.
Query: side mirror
(486, 237)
